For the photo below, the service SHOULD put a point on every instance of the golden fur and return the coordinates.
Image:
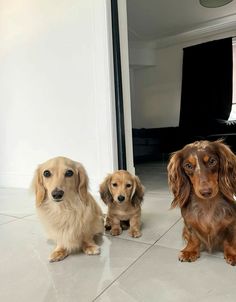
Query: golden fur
(65, 207)
(123, 193)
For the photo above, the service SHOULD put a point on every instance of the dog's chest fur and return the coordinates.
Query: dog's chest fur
(123, 212)
(60, 219)
(209, 219)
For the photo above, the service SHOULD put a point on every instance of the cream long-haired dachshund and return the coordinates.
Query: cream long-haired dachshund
(122, 193)
(65, 207)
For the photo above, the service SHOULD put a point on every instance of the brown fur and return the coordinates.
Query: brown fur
(74, 219)
(202, 177)
(122, 183)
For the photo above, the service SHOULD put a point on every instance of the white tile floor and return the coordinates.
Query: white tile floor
(144, 269)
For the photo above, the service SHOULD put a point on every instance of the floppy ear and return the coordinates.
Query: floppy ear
(138, 192)
(104, 190)
(38, 188)
(227, 170)
(178, 180)
(82, 183)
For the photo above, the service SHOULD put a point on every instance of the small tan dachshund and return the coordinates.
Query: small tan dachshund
(123, 194)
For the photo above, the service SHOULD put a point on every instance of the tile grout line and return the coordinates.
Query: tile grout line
(147, 243)
(13, 218)
(167, 230)
(8, 222)
(7, 215)
(123, 272)
(130, 240)
(136, 260)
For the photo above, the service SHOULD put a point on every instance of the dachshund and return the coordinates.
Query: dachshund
(65, 207)
(202, 177)
(123, 194)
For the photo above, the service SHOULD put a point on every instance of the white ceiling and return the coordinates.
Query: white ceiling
(157, 19)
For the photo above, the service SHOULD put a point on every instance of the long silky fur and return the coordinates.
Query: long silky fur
(178, 181)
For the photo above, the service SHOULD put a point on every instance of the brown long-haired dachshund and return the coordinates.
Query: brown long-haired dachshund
(122, 193)
(202, 177)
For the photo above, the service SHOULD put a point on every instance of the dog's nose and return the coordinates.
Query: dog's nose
(121, 198)
(206, 193)
(57, 194)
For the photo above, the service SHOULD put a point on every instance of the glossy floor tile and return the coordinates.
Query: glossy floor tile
(158, 276)
(144, 269)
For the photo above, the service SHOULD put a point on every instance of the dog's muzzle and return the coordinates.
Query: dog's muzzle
(57, 194)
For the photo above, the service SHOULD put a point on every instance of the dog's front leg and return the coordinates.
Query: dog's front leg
(115, 227)
(135, 224)
(192, 251)
(108, 223)
(58, 254)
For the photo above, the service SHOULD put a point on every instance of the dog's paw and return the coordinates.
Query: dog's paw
(58, 255)
(116, 231)
(188, 256)
(135, 233)
(108, 223)
(91, 250)
(230, 259)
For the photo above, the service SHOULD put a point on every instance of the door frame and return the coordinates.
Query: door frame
(120, 123)
(122, 85)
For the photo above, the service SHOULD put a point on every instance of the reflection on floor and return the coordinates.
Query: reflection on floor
(144, 269)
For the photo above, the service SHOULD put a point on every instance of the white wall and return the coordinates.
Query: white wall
(56, 87)
(156, 91)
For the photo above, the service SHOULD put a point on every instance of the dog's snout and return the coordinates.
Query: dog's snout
(121, 198)
(206, 193)
(57, 194)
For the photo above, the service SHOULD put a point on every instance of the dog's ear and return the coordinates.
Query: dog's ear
(178, 180)
(82, 183)
(227, 169)
(138, 192)
(38, 188)
(104, 190)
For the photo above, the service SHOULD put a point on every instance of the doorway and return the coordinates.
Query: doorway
(157, 36)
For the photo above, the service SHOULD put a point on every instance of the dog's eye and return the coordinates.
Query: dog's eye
(47, 173)
(69, 173)
(114, 184)
(188, 166)
(128, 185)
(212, 162)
